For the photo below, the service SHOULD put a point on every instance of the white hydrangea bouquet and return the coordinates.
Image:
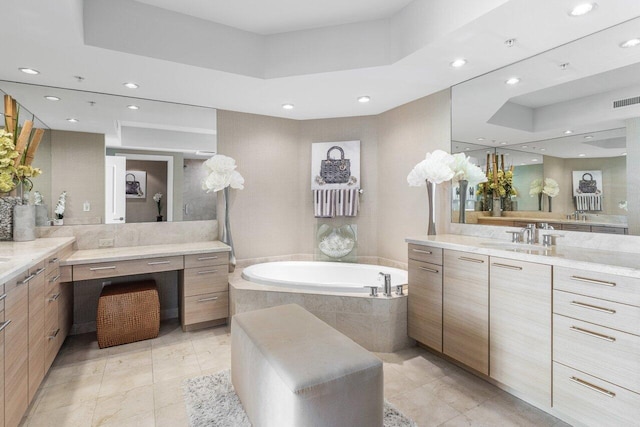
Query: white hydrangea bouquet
(551, 187)
(60, 207)
(221, 174)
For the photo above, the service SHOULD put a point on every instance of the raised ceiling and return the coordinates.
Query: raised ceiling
(254, 56)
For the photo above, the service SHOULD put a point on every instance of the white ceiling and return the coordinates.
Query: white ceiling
(280, 16)
(392, 53)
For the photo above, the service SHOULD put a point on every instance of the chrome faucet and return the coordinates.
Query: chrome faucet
(387, 283)
(530, 231)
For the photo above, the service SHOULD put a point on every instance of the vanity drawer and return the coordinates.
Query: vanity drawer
(124, 268)
(605, 229)
(201, 260)
(622, 317)
(204, 280)
(207, 307)
(593, 401)
(425, 254)
(52, 281)
(620, 289)
(425, 303)
(611, 355)
(576, 227)
(52, 264)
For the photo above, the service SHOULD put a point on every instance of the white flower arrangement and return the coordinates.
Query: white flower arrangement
(221, 174)
(62, 200)
(441, 166)
(535, 187)
(37, 198)
(158, 199)
(623, 205)
(551, 187)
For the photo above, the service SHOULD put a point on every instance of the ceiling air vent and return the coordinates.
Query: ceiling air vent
(626, 102)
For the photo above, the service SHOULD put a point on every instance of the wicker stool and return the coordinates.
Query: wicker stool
(128, 312)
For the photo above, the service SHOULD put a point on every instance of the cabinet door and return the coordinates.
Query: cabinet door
(36, 329)
(425, 303)
(2, 326)
(16, 340)
(520, 327)
(466, 309)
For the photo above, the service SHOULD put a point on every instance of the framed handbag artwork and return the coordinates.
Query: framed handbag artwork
(136, 184)
(587, 183)
(335, 165)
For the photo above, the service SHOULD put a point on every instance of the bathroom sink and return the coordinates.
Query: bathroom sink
(516, 247)
(4, 259)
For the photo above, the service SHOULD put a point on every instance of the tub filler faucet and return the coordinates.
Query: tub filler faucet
(387, 283)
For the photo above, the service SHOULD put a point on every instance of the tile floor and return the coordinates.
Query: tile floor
(139, 384)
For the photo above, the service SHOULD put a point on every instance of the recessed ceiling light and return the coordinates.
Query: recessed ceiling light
(51, 98)
(534, 160)
(630, 43)
(287, 106)
(458, 63)
(581, 155)
(480, 139)
(521, 164)
(503, 143)
(133, 107)
(72, 120)
(364, 99)
(624, 154)
(568, 132)
(510, 42)
(525, 146)
(466, 149)
(29, 71)
(582, 9)
(543, 149)
(588, 137)
(513, 81)
(131, 85)
(564, 66)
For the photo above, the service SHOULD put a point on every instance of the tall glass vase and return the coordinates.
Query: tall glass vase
(539, 201)
(431, 193)
(226, 231)
(464, 184)
(549, 197)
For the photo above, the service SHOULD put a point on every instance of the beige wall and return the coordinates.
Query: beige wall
(273, 215)
(77, 160)
(146, 209)
(199, 205)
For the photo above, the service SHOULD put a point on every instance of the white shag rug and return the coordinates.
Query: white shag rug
(212, 402)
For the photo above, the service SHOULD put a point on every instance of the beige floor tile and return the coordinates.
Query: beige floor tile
(423, 407)
(144, 419)
(172, 416)
(127, 360)
(79, 390)
(395, 382)
(133, 347)
(117, 409)
(174, 350)
(125, 379)
(76, 415)
(461, 390)
(503, 411)
(60, 374)
(170, 368)
(422, 369)
(168, 393)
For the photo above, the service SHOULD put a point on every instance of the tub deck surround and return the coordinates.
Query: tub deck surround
(605, 261)
(15, 257)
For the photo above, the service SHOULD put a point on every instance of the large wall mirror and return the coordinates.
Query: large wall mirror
(572, 115)
(161, 146)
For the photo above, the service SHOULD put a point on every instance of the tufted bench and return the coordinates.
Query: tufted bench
(291, 369)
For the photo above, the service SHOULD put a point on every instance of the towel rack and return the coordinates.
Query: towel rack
(360, 190)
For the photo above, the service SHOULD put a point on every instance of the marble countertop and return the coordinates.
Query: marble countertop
(553, 220)
(612, 262)
(15, 257)
(88, 256)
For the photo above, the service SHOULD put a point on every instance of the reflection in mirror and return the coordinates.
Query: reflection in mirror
(167, 141)
(576, 125)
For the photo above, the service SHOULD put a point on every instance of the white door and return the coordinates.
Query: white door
(115, 200)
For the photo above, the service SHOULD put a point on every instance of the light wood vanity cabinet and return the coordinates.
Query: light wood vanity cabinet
(596, 347)
(36, 287)
(466, 309)
(204, 290)
(425, 296)
(2, 326)
(520, 327)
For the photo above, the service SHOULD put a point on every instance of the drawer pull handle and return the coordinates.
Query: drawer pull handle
(207, 299)
(111, 267)
(592, 334)
(507, 266)
(158, 262)
(464, 258)
(55, 334)
(54, 297)
(4, 325)
(54, 279)
(27, 279)
(430, 270)
(40, 271)
(593, 307)
(204, 258)
(2, 297)
(54, 260)
(421, 251)
(592, 281)
(207, 272)
(592, 387)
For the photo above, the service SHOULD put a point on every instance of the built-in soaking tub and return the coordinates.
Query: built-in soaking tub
(334, 292)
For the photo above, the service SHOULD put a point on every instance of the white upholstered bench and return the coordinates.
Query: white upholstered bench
(290, 369)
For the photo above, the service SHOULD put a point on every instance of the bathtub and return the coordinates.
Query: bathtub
(332, 291)
(332, 277)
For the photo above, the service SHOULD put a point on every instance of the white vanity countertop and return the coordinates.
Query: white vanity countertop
(553, 220)
(24, 255)
(88, 256)
(612, 262)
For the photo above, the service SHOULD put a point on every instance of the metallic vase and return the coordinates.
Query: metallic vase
(226, 231)
(496, 208)
(431, 193)
(464, 184)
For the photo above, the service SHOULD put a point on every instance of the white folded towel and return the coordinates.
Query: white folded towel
(589, 202)
(332, 203)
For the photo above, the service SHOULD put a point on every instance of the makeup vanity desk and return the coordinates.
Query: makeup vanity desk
(203, 267)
